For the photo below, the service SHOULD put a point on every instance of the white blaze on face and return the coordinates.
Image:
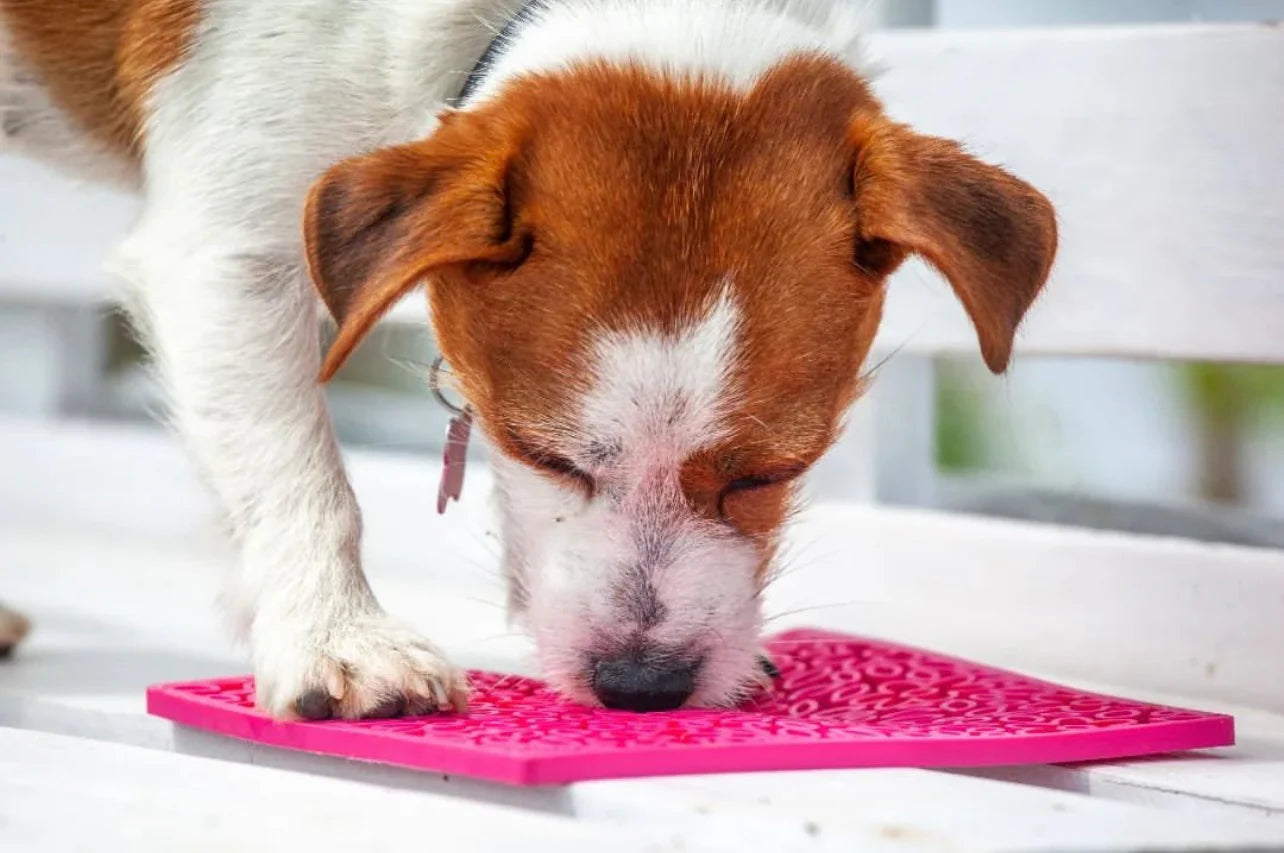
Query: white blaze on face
(633, 566)
(668, 392)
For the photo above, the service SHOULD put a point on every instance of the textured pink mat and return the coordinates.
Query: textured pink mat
(840, 701)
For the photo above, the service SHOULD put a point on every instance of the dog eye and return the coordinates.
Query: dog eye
(749, 484)
(548, 462)
(562, 467)
(745, 484)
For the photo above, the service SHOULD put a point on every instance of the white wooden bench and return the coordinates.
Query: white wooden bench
(121, 591)
(1169, 253)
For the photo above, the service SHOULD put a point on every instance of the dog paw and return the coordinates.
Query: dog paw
(364, 669)
(13, 627)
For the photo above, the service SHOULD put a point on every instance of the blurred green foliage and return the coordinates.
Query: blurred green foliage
(1228, 402)
(1240, 393)
(960, 439)
(1225, 404)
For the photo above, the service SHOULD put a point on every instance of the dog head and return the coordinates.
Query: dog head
(657, 295)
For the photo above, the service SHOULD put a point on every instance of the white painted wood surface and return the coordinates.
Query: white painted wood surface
(915, 810)
(138, 799)
(1193, 618)
(71, 794)
(55, 234)
(1159, 146)
(1247, 779)
(122, 590)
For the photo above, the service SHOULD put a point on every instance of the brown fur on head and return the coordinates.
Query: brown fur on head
(607, 203)
(802, 188)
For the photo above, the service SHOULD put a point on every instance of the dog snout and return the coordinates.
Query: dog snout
(631, 683)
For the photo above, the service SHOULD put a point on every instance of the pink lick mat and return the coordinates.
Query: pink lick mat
(840, 701)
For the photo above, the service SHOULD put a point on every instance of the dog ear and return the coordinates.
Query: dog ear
(375, 225)
(993, 236)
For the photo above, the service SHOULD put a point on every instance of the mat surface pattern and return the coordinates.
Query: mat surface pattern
(840, 701)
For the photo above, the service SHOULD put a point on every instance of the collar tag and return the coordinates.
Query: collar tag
(454, 459)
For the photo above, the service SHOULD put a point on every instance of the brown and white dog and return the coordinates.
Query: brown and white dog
(654, 236)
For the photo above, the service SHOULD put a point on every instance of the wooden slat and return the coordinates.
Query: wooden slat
(62, 794)
(1245, 780)
(55, 234)
(1159, 146)
(906, 809)
(867, 809)
(1180, 616)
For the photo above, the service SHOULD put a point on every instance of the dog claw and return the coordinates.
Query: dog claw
(316, 704)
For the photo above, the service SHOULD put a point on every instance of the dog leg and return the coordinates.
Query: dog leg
(235, 336)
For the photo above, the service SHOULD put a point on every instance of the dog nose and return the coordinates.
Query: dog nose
(630, 684)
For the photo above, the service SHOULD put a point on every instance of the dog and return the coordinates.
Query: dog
(655, 237)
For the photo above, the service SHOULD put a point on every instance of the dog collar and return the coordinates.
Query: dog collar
(454, 457)
(495, 49)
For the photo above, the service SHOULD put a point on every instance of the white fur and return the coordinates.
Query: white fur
(272, 93)
(584, 563)
(647, 384)
(733, 41)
